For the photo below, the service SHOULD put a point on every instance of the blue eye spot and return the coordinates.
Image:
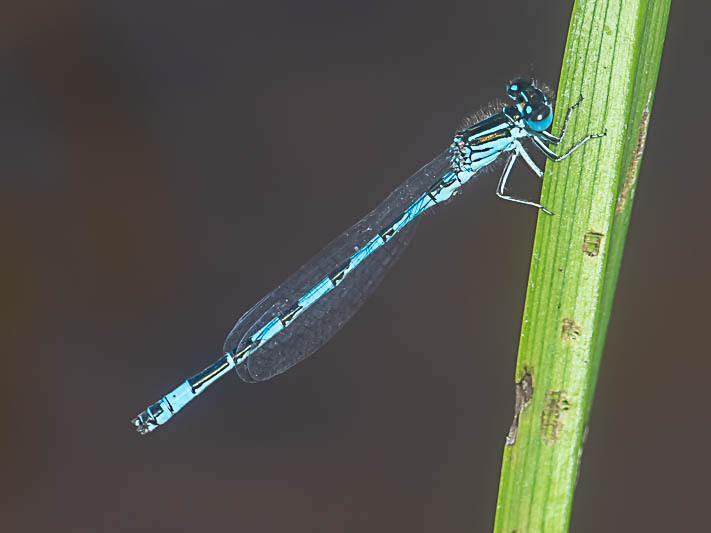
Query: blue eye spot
(514, 87)
(542, 124)
(529, 109)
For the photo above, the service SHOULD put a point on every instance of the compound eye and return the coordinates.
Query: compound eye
(539, 118)
(516, 87)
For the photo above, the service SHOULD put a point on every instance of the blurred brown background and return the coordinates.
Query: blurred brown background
(164, 165)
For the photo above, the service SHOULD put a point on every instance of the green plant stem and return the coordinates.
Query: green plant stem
(612, 58)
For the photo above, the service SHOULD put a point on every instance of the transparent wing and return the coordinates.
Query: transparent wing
(319, 322)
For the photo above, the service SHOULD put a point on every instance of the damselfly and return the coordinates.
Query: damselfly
(304, 312)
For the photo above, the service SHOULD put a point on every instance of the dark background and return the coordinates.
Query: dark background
(165, 165)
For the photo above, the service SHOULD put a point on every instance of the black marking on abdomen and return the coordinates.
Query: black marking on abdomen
(337, 275)
(441, 184)
(389, 231)
(287, 316)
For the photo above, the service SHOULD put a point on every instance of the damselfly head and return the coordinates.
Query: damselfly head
(531, 102)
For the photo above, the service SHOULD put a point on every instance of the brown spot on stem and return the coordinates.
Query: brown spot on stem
(630, 179)
(569, 331)
(553, 415)
(592, 242)
(524, 393)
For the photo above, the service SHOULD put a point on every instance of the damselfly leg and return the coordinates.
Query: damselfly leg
(500, 189)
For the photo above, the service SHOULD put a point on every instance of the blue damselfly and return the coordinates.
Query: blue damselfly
(304, 312)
